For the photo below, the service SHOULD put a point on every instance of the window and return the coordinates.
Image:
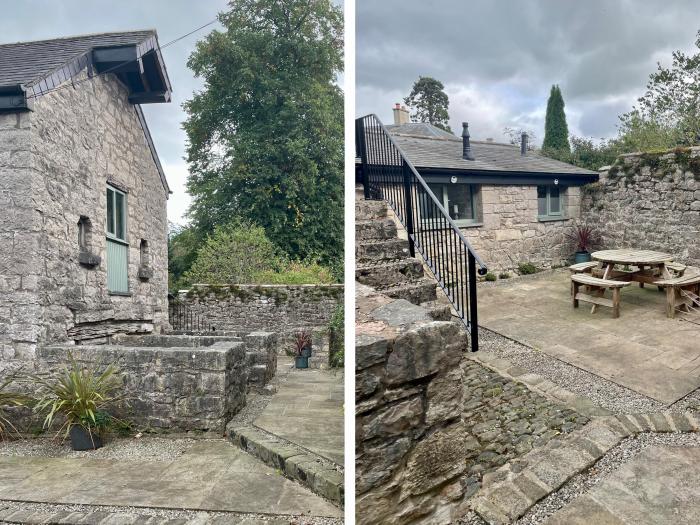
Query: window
(549, 202)
(458, 199)
(117, 247)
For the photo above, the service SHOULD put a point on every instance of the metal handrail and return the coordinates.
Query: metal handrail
(183, 318)
(389, 175)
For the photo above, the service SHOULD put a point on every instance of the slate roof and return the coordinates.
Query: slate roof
(28, 62)
(435, 148)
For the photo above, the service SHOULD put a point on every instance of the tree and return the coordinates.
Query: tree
(265, 134)
(670, 109)
(183, 243)
(430, 102)
(556, 132)
(515, 136)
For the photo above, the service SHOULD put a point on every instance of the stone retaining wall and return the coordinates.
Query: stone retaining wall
(171, 388)
(268, 307)
(650, 201)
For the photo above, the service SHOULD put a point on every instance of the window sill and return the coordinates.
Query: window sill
(469, 224)
(551, 218)
(120, 294)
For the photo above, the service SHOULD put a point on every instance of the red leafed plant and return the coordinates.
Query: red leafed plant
(583, 237)
(302, 340)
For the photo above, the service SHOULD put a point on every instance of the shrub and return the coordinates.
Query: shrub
(527, 268)
(490, 276)
(296, 272)
(302, 339)
(337, 341)
(582, 237)
(504, 275)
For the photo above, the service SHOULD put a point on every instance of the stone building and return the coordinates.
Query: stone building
(83, 195)
(513, 204)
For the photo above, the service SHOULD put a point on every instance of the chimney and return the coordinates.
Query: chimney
(523, 144)
(401, 115)
(466, 147)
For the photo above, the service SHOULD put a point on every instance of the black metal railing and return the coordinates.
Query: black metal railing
(184, 319)
(388, 175)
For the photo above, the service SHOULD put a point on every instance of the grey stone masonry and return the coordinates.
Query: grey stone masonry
(650, 201)
(270, 307)
(55, 164)
(169, 388)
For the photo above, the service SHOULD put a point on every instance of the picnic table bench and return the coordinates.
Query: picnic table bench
(682, 291)
(597, 286)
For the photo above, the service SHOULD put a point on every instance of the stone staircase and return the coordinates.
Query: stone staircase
(383, 260)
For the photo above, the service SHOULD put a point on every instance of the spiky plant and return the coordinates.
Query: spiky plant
(9, 399)
(78, 393)
(583, 237)
(302, 339)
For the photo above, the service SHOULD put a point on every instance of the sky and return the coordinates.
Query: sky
(26, 20)
(499, 59)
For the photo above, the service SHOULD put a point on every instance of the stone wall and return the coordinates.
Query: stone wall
(411, 444)
(268, 307)
(55, 163)
(171, 388)
(649, 201)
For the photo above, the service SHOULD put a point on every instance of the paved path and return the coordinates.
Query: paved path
(661, 486)
(211, 475)
(307, 410)
(643, 350)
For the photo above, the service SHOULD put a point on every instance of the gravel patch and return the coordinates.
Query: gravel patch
(604, 393)
(144, 448)
(585, 481)
(198, 517)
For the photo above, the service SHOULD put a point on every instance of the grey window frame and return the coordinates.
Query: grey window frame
(474, 190)
(550, 215)
(113, 236)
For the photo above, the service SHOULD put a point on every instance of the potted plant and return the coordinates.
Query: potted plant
(80, 394)
(301, 349)
(583, 237)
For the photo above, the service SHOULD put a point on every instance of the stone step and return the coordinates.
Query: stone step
(422, 291)
(369, 210)
(438, 310)
(258, 375)
(386, 274)
(381, 250)
(377, 229)
(316, 473)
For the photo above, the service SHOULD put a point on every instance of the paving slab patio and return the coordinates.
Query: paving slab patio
(307, 410)
(660, 486)
(211, 475)
(643, 350)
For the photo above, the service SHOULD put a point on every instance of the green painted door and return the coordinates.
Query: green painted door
(117, 266)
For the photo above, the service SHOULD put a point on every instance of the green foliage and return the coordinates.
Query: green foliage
(80, 394)
(337, 337)
(183, 243)
(296, 273)
(430, 102)
(556, 132)
(9, 398)
(490, 276)
(527, 268)
(504, 275)
(265, 134)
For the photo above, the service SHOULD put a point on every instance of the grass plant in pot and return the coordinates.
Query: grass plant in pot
(583, 237)
(81, 396)
(301, 348)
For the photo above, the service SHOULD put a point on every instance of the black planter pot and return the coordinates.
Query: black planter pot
(306, 352)
(301, 361)
(580, 257)
(82, 439)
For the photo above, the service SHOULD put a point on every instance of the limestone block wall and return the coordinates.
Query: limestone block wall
(55, 163)
(649, 201)
(174, 388)
(270, 307)
(411, 444)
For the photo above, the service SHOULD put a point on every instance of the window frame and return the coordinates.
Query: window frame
(549, 215)
(473, 191)
(125, 215)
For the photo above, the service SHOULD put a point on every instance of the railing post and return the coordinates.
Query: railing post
(473, 317)
(362, 146)
(408, 200)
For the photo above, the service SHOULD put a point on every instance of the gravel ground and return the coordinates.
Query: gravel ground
(602, 392)
(582, 483)
(146, 448)
(190, 516)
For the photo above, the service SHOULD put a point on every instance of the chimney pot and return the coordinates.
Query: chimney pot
(401, 115)
(466, 146)
(523, 143)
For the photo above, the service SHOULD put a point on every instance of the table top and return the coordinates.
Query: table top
(632, 256)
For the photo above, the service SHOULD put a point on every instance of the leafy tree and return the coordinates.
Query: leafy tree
(556, 132)
(265, 134)
(183, 243)
(515, 136)
(670, 109)
(430, 102)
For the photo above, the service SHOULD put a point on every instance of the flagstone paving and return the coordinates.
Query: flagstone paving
(211, 475)
(643, 350)
(307, 410)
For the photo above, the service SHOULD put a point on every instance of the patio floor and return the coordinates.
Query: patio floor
(642, 350)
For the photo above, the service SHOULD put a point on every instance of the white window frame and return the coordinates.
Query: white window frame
(112, 236)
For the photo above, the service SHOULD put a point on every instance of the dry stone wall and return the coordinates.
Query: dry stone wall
(649, 201)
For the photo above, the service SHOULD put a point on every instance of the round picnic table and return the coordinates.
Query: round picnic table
(632, 257)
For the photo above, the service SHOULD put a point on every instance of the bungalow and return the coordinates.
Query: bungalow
(82, 192)
(513, 204)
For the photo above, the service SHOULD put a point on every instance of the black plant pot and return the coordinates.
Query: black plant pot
(301, 362)
(306, 352)
(82, 439)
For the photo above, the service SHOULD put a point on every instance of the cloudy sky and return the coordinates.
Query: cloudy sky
(41, 19)
(498, 59)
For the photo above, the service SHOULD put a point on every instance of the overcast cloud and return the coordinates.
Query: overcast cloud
(498, 59)
(41, 19)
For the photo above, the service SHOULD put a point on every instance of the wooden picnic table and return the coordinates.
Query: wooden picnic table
(650, 265)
